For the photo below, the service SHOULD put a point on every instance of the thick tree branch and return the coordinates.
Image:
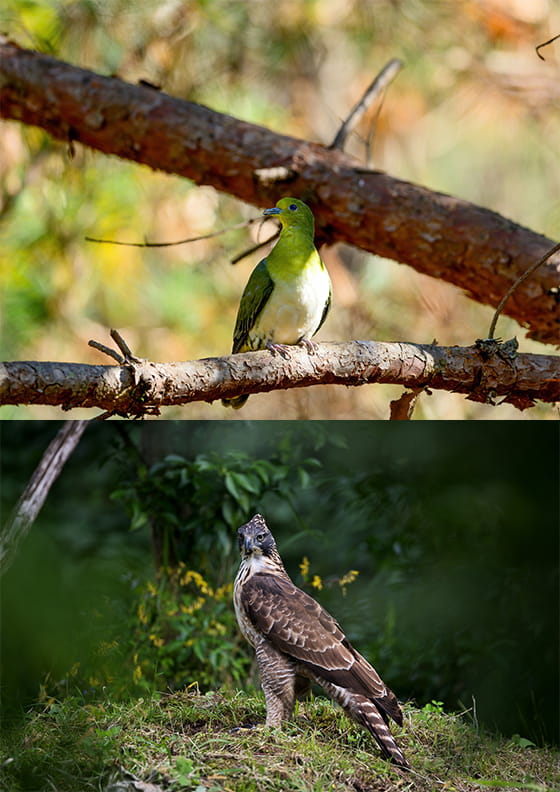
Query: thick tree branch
(474, 248)
(135, 389)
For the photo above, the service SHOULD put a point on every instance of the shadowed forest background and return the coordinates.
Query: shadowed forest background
(470, 77)
(123, 586)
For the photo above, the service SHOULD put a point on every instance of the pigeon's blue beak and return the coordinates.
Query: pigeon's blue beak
(273, 211)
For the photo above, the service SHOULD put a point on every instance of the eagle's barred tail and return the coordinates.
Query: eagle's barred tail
(370, 716)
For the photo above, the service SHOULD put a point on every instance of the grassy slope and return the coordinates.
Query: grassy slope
(185, 742)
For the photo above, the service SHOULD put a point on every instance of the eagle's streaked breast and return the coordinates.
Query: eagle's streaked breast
(253, 565)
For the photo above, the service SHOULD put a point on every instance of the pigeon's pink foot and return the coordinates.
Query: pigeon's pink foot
(281, 349)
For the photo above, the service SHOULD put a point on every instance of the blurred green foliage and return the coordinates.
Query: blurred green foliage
(186, 633)
(452, 528)
(193, 507)
(296, 67)
(184, 630)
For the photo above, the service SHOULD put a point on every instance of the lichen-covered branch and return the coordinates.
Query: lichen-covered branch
(467, 245)
(136, 389)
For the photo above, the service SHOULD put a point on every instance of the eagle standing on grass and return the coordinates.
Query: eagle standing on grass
(297, 642)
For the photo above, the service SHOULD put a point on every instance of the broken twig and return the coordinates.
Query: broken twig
(244, 224)
(514, 286)
(544, 44)
(385, 76)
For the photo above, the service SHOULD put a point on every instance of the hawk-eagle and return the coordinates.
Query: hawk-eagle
(297, 642)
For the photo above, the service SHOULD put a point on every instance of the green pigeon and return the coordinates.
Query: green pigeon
(288, 295)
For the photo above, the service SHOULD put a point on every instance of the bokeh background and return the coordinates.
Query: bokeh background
(474, 113)
(453, 531)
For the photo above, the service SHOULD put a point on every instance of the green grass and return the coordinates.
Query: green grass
(206, 743)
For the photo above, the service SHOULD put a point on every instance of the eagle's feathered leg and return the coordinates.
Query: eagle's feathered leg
(278, 681)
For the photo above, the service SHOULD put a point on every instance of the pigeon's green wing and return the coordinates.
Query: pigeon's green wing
(326, 309)
(254, 298)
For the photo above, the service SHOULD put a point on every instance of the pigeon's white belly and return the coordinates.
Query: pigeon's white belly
(293, 311)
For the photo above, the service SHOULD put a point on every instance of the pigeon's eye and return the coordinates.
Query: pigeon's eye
(293, 207)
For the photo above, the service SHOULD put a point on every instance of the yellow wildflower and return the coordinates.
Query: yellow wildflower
(304, 566)
(224, 591)
(197, 579)
(348, 578)
(196, 605)
(216, 628)
(317, 582)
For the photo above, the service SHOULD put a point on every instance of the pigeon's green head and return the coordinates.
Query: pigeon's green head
(292, 213)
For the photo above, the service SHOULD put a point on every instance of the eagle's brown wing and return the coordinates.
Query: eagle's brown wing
(298, 626)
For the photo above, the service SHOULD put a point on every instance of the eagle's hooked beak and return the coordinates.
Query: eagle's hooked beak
(249, 545)
(246, 544)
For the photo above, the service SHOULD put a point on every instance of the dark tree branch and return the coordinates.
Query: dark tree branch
(136, 389)
(472, 247)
